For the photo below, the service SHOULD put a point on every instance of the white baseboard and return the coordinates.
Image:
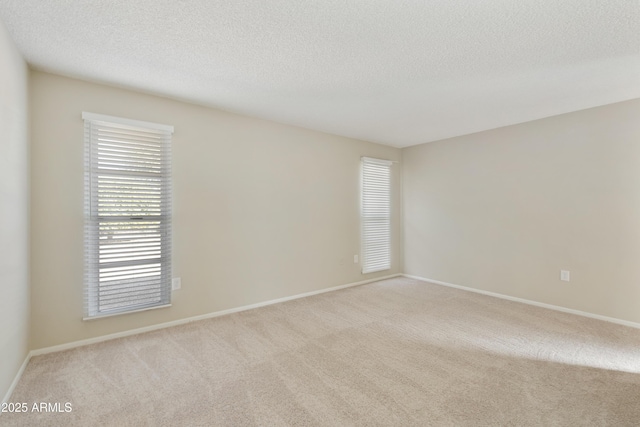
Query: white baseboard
(13, 385)
(529, 302)
(102, 338)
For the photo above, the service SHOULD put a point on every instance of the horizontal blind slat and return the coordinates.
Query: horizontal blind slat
(128, 216)
(376, 215)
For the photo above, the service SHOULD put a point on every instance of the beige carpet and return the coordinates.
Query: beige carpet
(398, 352)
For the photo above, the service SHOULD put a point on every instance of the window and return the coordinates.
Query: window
(127, 215)
(376, 215)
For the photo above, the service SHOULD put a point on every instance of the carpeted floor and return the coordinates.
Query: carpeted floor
(398, 352)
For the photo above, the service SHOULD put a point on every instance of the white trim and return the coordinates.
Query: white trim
(378, 161)
(13, 385)
(530, 302)
(126, 122)
(81, 343)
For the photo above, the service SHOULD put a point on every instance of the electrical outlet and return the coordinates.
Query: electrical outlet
(565, 275)
(355, 259)
(176, 284)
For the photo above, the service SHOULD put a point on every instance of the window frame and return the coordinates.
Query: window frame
(155, 218)
(374, 218)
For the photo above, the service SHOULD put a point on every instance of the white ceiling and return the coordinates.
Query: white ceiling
(390, 71)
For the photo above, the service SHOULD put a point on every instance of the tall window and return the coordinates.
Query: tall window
(127, 215)
(376, 215)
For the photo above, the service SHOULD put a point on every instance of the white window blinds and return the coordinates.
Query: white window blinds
(127, 215)
(376, 215)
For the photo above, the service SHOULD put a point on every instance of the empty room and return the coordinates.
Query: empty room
(319, 213)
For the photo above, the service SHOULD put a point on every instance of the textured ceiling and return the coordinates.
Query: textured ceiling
(389, 71)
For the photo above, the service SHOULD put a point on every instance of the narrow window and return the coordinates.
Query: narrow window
(376, 215)
(127, 215)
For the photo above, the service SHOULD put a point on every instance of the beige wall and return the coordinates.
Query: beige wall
(14, 212)
(505, 210)
(261, 210)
